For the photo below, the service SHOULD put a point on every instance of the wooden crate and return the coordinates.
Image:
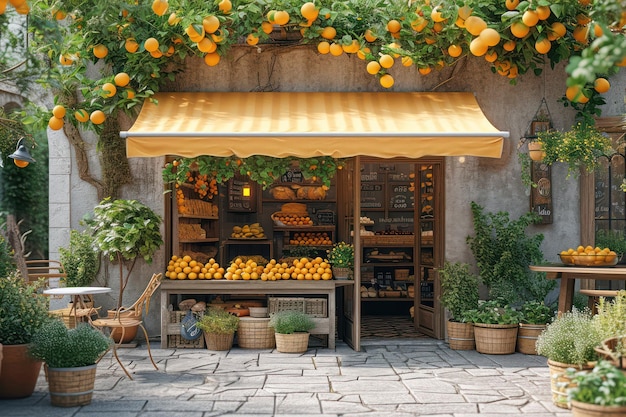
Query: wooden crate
(315, 307)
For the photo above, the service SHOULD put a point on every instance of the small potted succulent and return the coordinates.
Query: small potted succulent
(291, 330)
(219, 327)
(495, 327)
(341, 259)
(70, 356)
(601, 392)
(535, 316)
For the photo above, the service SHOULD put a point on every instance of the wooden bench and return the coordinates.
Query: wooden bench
(594, 295)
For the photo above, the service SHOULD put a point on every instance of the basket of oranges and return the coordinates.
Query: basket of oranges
(589, 256)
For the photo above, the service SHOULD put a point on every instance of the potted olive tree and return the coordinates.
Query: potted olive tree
(459, 294)
(23, 310)
(219, 327)
(70, 356)
(291, 330)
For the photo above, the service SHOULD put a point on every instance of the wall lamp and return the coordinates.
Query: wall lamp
(21, 157)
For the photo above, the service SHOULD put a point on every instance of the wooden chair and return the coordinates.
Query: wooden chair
(131, 316)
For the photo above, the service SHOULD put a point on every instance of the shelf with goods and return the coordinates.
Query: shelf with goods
(427, 220)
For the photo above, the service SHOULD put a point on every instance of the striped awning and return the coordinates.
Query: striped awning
(308, 124)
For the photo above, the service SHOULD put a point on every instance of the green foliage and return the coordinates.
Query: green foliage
(287, 322)
(536, 312)
(503, 254)
(7, 264)
(22, 310)
(492, 312)
(60, 347)
(80, 260)
(459, 289)
(604, 385)
(612, 239)
(570, 338)
(611, 316)
(217, 320)
(341, 255)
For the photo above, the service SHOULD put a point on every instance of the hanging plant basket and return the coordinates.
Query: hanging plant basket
(535, 151)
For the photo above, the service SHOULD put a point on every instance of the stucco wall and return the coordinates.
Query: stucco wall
(493, 183)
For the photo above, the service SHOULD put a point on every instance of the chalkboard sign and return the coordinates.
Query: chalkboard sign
(372, 195)
(325, 217)
(401, 197)
(541, 196)
(242, 195)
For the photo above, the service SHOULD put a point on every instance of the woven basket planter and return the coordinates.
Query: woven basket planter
(292, 343)
(71, 387)
(461, 335)
(527, 337)
(495, 339)
(219, 341)
(560, 382)
(255, 333)
(592, 410)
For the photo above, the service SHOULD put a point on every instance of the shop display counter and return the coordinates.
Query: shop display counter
(324, 325)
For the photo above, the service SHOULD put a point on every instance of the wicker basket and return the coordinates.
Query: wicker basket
(560, 382)
(255, 333)
(219, 341)
(461, 336)
(292, 343)
(71, 387)
(495, 339)
(176, 341)
(315, 307)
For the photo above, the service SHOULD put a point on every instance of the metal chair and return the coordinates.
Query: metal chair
(127, 317)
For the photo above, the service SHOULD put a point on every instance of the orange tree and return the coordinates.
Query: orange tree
(137, 47)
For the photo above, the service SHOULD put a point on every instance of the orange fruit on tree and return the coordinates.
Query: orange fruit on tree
(543, 12)
(582, 19)
(207, 45)
(65, 60)
(57, 14)
(475, 25)
(543, 45)
(129, 93)
(122, 79)
(281, 17)
(530, 18)
(424, 70)
(24, 9)
(394, 46)
(251, 39)
(267, 27)
(217, 36)
(407, 61)
(210, 24)
(437, 27)
(464, 12)
(309, 11)
(478, 47)
(393, 26)
(225, 6)
(55, 123)
(597, 30)
(601, 85)
(108, 89)
(97, 117)
(575, 94)
(373, 67)
(81, 115)
(131, 45)
(329, 33)
(195, 32)
(151, 45)
(212, 59)
(455, 51)
(436, 16)
(386, 61)
(173, 19)
(323, 47)
(581, 33)
(490, 36)
(270, 16)
(100, 51)
(509, 45)
(58, 111)
(159, 7)
(557, 30)
(519, 29)
(369, 36)
(156, 54)
(335, 49)
(419, 24)
(386, 81)
(491, 56)
(511, 4)
(460, 23)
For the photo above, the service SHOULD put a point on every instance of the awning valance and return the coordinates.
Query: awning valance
(308, 124)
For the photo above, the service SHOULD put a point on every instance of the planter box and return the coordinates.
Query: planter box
(495, 339)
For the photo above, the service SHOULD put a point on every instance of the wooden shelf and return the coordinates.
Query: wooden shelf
(404, 299)
(207, 240)
(197, 216)
(304, 228)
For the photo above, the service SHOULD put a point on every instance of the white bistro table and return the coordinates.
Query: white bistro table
(77, 294)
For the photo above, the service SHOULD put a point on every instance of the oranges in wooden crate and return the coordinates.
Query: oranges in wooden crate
(311, 239)
(589, 256)
(292, 219)
(299, 269)
(187, 268)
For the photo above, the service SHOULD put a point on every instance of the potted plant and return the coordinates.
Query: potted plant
(341, 259)
(219, 328)
(611, 324)
(23, 310)
(80, 260)
(613, 239)
(125, 230)
(568, 342)
(291, 330)
(459, 294)
(70, 356)
(495, 327)
(535, 315)
(601, 392)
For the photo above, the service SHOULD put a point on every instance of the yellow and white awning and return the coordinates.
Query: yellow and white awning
(309, 124)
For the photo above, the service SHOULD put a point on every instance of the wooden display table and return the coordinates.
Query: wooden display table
(324, 325)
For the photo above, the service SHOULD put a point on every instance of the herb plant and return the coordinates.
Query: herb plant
(459, 289)
(80, 260)
(218, 321)
(604, 385)
(570, 338)
(611, 316)
(60, 347)
(493, 312)
(287, 322)
(22, 309)
(535, 312)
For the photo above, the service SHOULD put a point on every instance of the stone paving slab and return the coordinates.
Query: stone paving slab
(387, 378)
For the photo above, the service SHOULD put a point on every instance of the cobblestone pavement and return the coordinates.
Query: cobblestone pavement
(421, 377)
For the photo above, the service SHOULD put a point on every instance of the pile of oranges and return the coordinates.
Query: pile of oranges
(310, 238)
(588, 256)
(300, 269)
(187, 268)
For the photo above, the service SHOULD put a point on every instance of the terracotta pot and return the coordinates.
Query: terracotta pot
(560, 382)
(527, 337)
(535, 151)
(461, 335)
(129, 333)
(71, 387)
(19, 372)
(592, 410)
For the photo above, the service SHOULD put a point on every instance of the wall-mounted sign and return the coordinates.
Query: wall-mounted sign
(242, 194)
(541, 195)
